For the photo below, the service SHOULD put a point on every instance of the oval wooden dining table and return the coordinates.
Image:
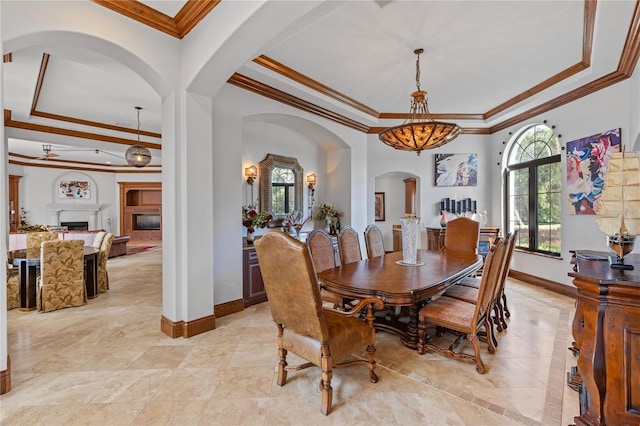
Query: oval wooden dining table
(401, 285)
(28, 260)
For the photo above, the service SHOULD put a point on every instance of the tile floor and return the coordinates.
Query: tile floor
(107, 363)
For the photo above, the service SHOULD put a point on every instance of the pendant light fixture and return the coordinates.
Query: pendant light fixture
(138, 155)
(416, 135)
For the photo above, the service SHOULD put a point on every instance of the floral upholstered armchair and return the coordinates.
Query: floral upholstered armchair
(61, 281)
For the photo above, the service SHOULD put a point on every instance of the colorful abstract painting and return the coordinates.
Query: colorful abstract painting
(587, 164)
(75, 189)
(456, 169)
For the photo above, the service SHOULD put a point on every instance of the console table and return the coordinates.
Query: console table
(606, 329)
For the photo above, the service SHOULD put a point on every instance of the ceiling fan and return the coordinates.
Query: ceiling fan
(49, 154)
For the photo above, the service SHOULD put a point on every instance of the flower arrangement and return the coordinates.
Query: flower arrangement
(327, 211)
(25, 227)
(253, 219)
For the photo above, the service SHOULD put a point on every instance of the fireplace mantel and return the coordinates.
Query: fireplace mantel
(93, 209)
(58, 207)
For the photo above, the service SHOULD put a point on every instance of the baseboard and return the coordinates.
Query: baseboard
(544, 283)
(198, 326)
(5, 378)
(228, 308)
(170, 328)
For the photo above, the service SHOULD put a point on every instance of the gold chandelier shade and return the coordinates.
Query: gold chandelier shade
(414, 134)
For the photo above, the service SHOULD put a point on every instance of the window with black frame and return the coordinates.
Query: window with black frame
(282, 190)
(532, 185)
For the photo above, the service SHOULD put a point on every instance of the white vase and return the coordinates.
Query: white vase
(410, 236)
(249, 237)
(327, 226)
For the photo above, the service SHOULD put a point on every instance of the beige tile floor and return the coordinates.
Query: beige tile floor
(107, 363)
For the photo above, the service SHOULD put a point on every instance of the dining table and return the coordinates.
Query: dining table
(399, 284)
(28, 262)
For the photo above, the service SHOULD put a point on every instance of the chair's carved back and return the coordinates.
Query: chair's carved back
(97, 241)
(490, 279)
(62, 275)
(510, 243)
(462, 235)
(35, 239)
(321, 247)
(291, 284)
(349, 246)
(373, 241)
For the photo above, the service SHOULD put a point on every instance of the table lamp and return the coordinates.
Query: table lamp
(618, 215)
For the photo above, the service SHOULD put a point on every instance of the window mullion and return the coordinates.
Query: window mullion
(533, 207)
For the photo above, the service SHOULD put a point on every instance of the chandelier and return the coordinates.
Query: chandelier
(416, 135)
(138, 155)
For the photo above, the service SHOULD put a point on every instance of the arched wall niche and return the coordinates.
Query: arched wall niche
(394, 185)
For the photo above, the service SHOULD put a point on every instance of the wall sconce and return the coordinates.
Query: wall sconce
(311, 183)
(251, 173)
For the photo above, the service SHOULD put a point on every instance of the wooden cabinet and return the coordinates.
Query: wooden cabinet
(606, 329)
(253, 291)
(14, 203)
(410, 195)
(435, 237)
(141, 210)
(397, 238)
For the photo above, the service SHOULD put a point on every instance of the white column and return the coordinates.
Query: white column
(54, 217)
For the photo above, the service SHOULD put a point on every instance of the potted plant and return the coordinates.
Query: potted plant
(253, 219)
(327, 213)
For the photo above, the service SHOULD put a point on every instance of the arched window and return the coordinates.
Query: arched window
(533, 190)
(283, 192)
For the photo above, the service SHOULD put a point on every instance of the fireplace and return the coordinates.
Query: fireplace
(76, 226)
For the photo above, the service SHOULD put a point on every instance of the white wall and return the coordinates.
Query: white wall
(601, 111)
(393, 187)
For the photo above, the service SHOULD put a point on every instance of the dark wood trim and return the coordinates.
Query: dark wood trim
(544, 283)
(146, 169)
(631, 50)
(41, 73)
(198, 326)
(192, 13)
(294, 75)
(94, 124)
(228, 308)
(77, 133)
(262, 89)
(170, 328)
(185, 20)
(5, 378)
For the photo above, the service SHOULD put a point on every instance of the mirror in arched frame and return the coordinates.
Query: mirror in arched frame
(280, 186)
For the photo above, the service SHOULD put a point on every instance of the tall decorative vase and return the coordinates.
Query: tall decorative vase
(249, 237)
(410, 234)
(443, 219)
(327, 226)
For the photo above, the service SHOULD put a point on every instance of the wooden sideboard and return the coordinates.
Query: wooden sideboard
(253, 291)
(435, 236)
(141, 210)
(606, 329)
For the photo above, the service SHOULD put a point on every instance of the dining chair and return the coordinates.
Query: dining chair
(61, 281)
(321, 247)
(462, 234)
(349, 246)
(34, 239)
(463, 319)
(373, 241)
(97, 241)
(323, 336)
(103, 276)
(13, 287)
(501, 312)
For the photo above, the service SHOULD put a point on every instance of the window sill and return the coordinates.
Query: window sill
(548, 256)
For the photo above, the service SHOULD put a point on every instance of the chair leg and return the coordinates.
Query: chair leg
(476, 349)
(325, 381)
(504, 305)
(490, 334)
(282, 353)
(496, 317)
(490, 339)
(371, 363)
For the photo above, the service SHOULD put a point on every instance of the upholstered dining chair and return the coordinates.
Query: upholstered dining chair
(373, 241)
(13, 288)
(97, 241)
(467, 289)
(61, 281)
(462, 234)
(103, 277)
(349, 246)
(321, 248)
(465, 320)
(34, 239)
(324, 337)
(500, 307)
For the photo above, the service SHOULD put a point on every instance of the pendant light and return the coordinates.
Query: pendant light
(138, 155)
